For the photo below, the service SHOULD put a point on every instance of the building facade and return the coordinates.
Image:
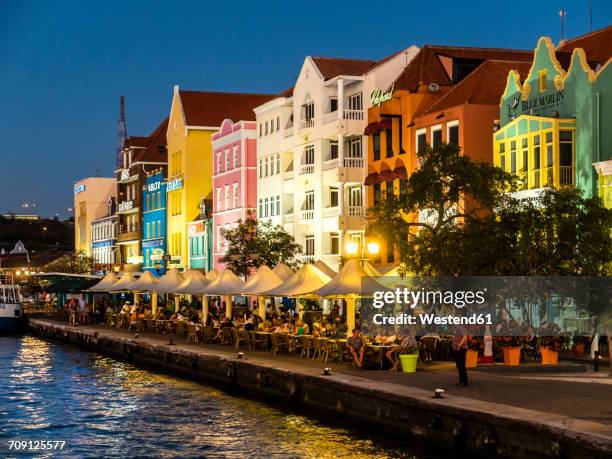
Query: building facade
(552, 123)
(234, 180)
(194, 118)
(141, 156)
(91, 197)
(314, 175)
(154, 222)
(200, 233)
(104, 239)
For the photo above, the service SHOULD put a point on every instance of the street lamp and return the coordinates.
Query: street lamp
(371, 248)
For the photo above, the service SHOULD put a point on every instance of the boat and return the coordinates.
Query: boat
(11, 320)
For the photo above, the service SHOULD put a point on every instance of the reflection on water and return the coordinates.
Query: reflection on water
(105, 408)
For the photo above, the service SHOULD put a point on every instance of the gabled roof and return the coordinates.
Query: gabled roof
(155, 150)
(331, 67)
(484, 86)
(287, 92)
(427, 66)
(211, 108)
(135, 142)
(597, 45)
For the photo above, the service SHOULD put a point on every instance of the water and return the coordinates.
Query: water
(106, 408)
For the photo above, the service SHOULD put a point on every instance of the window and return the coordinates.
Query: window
(355, 196)
(549, 149)
(403, 187)
(235, 195)
(333, 149)
(390, 250)
(278, 205)
(333, 196)
(148, 202)
(267, 161)
(266, 212)
(260, 207)
(389, 189)
(542, 80)
(159, 228)
(278, 123)
(266, 130)
(236, 157)
(260, 129)
(308, 201)
(453, 133)
(389, 140)
(219, 199)
(334, 243)
(260, 168)
(421, 139)
(333, 104)
(355, 148)
(566, 146)
(536, 152)
(227, 196)
(513, 156)
(377, 193)
(271, 126)
(309, 243)
(355, 102)
(278, 163)
(436, 136)
(309, 154)
(227, 160)
(308, 111)
(376, 145)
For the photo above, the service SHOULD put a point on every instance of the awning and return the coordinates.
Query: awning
(372, 178)
(71, 285)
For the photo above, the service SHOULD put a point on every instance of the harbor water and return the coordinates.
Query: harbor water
(105, 408)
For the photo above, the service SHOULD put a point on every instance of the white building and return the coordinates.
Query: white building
(312, 154)
(104, 239)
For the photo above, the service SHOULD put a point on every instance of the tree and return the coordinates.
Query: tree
(252, 244)
(74, 263)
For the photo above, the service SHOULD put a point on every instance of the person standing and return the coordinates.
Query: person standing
(460, 346)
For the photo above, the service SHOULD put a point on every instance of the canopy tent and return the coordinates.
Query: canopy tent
(325, 268)
(194, 283)
(169, 282)
(283, 271)
(351, 281)
(264, 279)
(304, 282)
(106, 282)
(123, 284)
(144, 283)
(226, 283)
(71, 285)
(210, 275)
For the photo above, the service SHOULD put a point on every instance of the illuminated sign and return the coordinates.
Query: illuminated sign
(126, 205)
(379, 96)
(125, 174)
(153, 186)
(175, 184)
(79, 188)
(157, 254)
(153, 243)
(196, 229)
(134, 260)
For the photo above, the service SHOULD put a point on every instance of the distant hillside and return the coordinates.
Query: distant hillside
(38, 235)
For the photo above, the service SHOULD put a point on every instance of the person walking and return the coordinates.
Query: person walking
(460, 346)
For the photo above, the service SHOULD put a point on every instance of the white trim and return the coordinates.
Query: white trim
(416, 138)
(449, 125)
(432, 129)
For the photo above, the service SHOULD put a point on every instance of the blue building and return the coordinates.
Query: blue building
(154, 222)
(200, 236)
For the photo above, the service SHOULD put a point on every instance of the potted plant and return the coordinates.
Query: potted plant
(580, 343)
(409, 359)
(549, 348)
(471, 356)
(511, 346)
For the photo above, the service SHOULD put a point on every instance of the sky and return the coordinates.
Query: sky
(64, 64)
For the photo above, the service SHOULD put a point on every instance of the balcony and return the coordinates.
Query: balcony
(352, 115)
(355, 211)
(353, 162)
(545, 177)
(306, 169)
(331, 211)
(288, 131)
(306, 123)
(288, 218)
(306, 214)
(566, 175)
(306, 258)
(288, 174)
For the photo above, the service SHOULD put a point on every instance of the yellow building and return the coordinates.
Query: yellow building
(91, 196)
(194, 117)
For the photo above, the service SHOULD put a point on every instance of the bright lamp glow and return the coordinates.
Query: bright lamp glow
(373, 247)
(351, 248)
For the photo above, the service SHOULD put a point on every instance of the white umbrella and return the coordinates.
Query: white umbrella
(144, 283)
(226, 283)
(351, 280)
(283, 271)
(194, 283)
(264, 279)
(169, 282)
(210, 275)
(325, 268)
(123, 284)
(304, 282)
(106, 282)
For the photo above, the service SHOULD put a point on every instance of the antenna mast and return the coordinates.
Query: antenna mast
(591, 14)
(562, 14)
(121, 131)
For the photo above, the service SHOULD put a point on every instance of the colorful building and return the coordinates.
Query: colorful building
(234, 179)
(552, 128)
(141, 156)
(200, 234)
(445, 94)
(91, 197)
(194, 118)
(104, 239)
(154, 222)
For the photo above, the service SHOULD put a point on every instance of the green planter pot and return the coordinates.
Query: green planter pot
(409, 362)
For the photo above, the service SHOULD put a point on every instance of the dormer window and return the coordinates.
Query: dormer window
(308, 111)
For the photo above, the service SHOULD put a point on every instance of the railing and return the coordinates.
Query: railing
(307, 258)
(355, 211)
(548, 176)
(353, 162)
(306, 214)
(352, 114)
(534, 179)
(128, 228)
(306, 123)
(329, 117)
(288, 218)
(288, 174)
(566, 175)
(306, 169)
(331, 211)
(330, 164)
(288, 131)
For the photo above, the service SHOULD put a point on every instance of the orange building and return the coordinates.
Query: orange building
(445, 94)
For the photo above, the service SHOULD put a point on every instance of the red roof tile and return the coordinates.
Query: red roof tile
(331, 67)
(156, 150)
(211, 108)
(427, 67)
(287, 92)
(597, 45)
(484, 86)
(135, 142)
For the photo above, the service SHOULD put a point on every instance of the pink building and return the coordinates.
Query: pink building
(234, 179)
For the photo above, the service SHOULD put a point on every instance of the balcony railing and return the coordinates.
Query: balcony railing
(331, 211)
(330, 164)
(288, 174)
(548, 176)
(306, 214)
(566, 175)
(288, 218)
(352, 114)
(544, 177)
(306, 123)
(353, 162)
(288, 131)
(307, 258)
(306, 169)
(355, 211)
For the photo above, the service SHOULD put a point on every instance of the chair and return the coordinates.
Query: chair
(191, 333)
(180, 328)
(278, 343)
(241, 336)
(258, 339)
(226, 336)
(318, 348)
(430, 344)
(150, 325)
(306, 347)
(208, 334)
(330, 350)
(343, 353)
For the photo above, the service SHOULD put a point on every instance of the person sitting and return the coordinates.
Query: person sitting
(126, 308)
(248, 322)
(406, 344)
(356, 347)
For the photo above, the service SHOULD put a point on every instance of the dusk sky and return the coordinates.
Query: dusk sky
(65, 63)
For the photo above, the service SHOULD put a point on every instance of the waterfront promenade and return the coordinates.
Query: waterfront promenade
(564, 406)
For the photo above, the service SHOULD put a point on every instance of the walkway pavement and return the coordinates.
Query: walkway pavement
(569, 395)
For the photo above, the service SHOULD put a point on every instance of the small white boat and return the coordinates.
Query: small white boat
(11, 319)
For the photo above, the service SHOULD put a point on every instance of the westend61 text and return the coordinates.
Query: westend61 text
(432, 319)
